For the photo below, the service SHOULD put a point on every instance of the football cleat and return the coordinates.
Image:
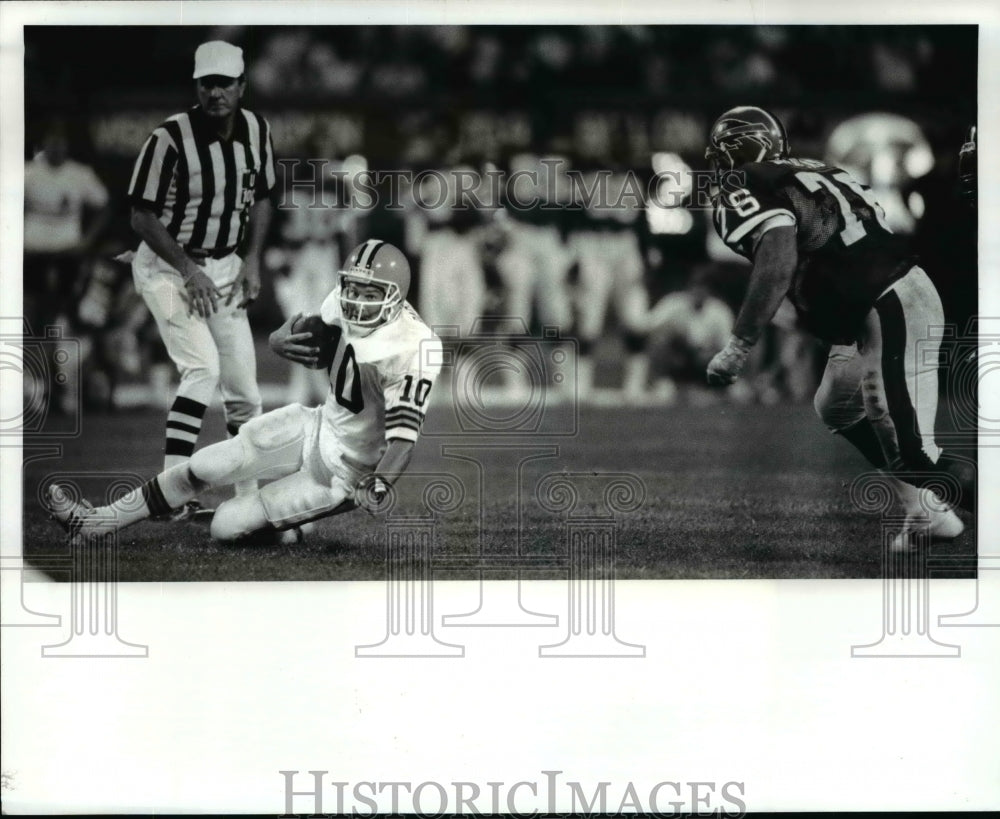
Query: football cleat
(374, 268)
(745, 134)
(940, 522)
(70, 514)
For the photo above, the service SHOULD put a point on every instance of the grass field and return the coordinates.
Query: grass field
(730, 492)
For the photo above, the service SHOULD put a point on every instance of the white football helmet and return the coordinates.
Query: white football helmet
(379, 264)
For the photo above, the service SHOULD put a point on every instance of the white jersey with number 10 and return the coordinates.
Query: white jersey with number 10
(379, 383)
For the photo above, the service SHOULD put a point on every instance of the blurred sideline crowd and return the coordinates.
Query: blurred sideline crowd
(645, 291)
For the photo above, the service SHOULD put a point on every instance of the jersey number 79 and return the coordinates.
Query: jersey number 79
(852, 228)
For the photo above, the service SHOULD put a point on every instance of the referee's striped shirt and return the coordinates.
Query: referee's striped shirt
(200, 186)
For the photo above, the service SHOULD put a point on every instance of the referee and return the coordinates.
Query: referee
(200, 203)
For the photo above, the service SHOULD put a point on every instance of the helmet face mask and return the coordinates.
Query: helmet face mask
(374, 284)
(745, 134)
(368, 302)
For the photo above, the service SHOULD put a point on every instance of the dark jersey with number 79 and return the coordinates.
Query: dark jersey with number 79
(847, 254)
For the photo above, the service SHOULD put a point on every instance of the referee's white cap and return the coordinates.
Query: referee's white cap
(218, 57)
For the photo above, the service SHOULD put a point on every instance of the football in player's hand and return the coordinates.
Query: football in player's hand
(322, 337)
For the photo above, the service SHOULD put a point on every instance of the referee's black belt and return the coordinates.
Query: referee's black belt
(202, 253)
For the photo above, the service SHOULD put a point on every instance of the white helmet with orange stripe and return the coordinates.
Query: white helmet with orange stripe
(373, 284)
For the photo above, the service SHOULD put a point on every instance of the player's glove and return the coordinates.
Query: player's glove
(373, 494)
(728, 363)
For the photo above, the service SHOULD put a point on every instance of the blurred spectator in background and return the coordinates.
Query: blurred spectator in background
(295, 61)
(534, 264)
(888, 153)
(880, 101)
(686, 328)
(452, 285)
(65, 212)
(111, 320)
(399, 70)
(605, 247)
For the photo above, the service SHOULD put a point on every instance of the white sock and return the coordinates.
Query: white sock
(636, 374)
(171, 488)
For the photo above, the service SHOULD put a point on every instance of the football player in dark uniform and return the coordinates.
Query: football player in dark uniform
(968, 169)
(817, 236)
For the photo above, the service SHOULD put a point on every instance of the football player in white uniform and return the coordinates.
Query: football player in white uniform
(382, 360)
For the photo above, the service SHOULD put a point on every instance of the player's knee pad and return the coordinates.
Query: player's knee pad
(299, 497)
(820, 400)
(215, 464)
(277, 428)
(238, 517)
(634, 342)
(836, 415)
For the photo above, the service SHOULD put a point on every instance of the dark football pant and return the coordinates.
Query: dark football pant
(882, 393)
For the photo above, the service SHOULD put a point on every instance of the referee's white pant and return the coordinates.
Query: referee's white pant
(890, 376)
(217, 351)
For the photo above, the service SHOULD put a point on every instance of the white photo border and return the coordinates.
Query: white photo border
(745, 681)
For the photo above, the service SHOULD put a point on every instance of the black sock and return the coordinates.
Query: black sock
(963, 469)
(862, 436)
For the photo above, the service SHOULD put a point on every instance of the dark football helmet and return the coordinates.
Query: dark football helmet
(745, 134)
(967, 170)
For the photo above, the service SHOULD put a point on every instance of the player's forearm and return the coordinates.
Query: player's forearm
(154, 234)
(770, 281)
(762, 300)
(260, 220)
(395, 460)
